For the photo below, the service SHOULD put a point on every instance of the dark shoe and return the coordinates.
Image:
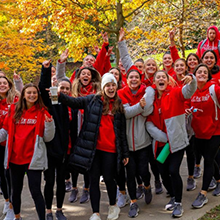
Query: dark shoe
(140, 192)
(68, 185)
(60, 215)
(212, 184)
(148, 195)
(158, 187)
(123, 200)
(49, 216)
(200, 201)
(170, 205)
(85, 196)
(177, 211)
(197, 172)
(191, 184)
(134, 209)
(73, 195)
(216, 192)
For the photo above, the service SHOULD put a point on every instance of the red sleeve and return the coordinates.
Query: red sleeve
(187, 104)
(107, 65)
(217, 92)
(73, 77)
(198, 52)
(100, 59)
(174, 53)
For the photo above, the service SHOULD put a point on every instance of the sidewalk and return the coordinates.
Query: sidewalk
(154, 211)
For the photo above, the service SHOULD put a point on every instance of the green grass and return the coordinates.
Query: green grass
(213, 214)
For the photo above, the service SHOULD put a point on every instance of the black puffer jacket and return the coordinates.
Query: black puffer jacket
(57, 148)
(85, 146)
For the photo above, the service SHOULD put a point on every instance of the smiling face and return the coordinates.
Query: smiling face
(134, 80)
(88, 61)
(53, 71)
(64, 87)
(31, 96)
(85, 77)
(192, 62)
(211, 34)
(121, 67)
(150, 67)
(161, 81)
(167, 60)
(139, 65)
(209, 60)
(202, 75)
(4, 87)
(180, 68)
(116, 74)
(110, 89)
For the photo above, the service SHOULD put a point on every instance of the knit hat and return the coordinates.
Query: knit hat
(107, 78)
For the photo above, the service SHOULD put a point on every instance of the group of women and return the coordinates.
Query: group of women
(112, 122)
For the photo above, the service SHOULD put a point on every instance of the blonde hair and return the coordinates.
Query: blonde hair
(146, 62)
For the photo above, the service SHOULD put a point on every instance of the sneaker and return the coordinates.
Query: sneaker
(212, 184)
(123, 200)
(60, 216)
(6, 207)
(85, 196)
(101, 179)
(148, 195)
(170, 205)
(140, 192)
(200, 201)
(68, 185)
(158, 187)
(73, 195)
(216, 192)
(49, 216)
(10, 215)
(94, 216)
(191, 184)
(197, 172)
(177, 211)
(113, 212)
(133, 211)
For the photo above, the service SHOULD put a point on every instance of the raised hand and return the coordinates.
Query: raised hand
(121, 34)
(46, 63)
(64, 55)
(16, 76)
(105, 36)
(97, 49)
(110, 49)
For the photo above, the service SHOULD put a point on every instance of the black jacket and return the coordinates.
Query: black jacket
(57, 148)
(85, 146)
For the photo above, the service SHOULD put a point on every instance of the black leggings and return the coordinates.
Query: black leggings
(59, 167)
(75, 175)
(105, 164)
(121, 178)
(5, 180)
(170, 173)
(209, 149)
(190, 156)
(138, 162)
(34, 182)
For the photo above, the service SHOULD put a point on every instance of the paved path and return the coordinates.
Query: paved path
(154, 211)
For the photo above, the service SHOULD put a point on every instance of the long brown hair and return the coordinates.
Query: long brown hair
(12, 92)
(21, 105)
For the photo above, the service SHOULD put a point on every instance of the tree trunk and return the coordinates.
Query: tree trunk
(182, 46)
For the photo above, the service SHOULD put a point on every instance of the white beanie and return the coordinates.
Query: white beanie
(107, 78)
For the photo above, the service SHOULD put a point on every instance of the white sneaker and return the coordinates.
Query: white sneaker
(6, 207)
(10, 215)
(123, 200)
(94, 216)
(113, 212)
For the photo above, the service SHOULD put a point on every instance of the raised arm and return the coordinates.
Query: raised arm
(18, 82)
(123, 50)
(173, 50)
(61, 65)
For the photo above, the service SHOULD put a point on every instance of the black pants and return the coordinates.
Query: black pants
(209, 149)
(75, 175)
(5, 182)
(34, 182)
(59, 167)
(121, 178)
(138, 162)
(170, 173)
(190, 156)
(105, 164)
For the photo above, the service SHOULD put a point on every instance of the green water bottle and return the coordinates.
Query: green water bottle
(164, 153)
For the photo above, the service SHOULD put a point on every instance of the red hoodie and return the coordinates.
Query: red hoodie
(21, 148)
(204, 123)
(210, 45)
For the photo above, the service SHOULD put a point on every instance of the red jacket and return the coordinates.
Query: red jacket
(210, 45)
(174, 53)
(204, 123)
